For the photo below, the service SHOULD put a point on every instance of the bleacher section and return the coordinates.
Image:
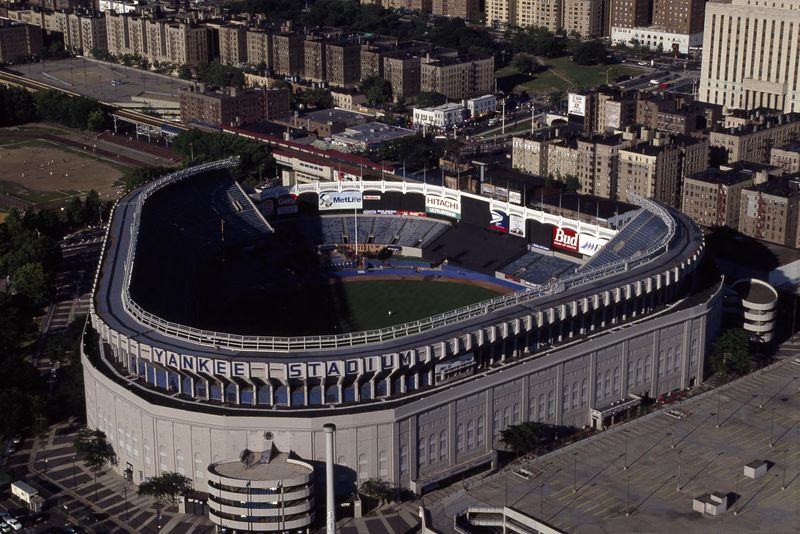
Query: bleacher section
(475, 248)
(538, 268)
(372, 229)
(232, 204)
(634, 238)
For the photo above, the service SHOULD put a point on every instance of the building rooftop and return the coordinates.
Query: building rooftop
(738, 172)
(371, 132)
(447, 106)
(758, 294)
(278, 468)
(335, 115)
(780, 186)
(767, 122)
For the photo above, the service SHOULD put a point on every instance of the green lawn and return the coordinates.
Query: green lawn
(563, 75)
(369, 302)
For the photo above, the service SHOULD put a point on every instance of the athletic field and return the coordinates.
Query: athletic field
(337, 306)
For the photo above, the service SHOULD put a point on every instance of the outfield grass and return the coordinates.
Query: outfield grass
(339, 306)
(369, 302)
(563, 74)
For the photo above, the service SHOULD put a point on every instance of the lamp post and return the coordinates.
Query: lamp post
(625, 433)
(738, 497)
(74, 475)
(574, 472)
(771, 429)
(718, 404)
(628, 497)
(785, 467)
(541, 501)
(679, 471)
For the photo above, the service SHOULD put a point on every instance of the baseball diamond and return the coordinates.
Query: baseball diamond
(177, 386)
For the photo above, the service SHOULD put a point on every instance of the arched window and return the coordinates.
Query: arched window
(470, 434)
(694, 353)
(607, 387)
(199, 468)
(506, 417)
(380, 388)
(315, 395)
(516, 413)
(647, 362)
(565, 398)
(630, 374)
(575, 398)
(332, 393)
(147, 458)
(383, 465)
(481, 431)
(551, 404)
(342, 473)
(365, 390)
(263, 395)
(432, 448)
(179, 462)
(421, 451)
(282, 395)
(135, 445)
(660, 364)
(162, 458)
(460, 438)
(363, 467)
(639, 371)
(677, 358)
(230, 393)
(584, 391)
(350, 393)
(443, 445)
(598, 387)
(403, 460)
(542, 415)
(616, 380)
(532, 409)
(298, 396)
(497, 424)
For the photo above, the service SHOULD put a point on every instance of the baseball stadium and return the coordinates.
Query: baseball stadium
(419, 320)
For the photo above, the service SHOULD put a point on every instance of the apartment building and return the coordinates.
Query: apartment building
(231, 107)
(749, 54)
(679, 16)
(769, 210)
(288, 54)
(598, 158)
(404, 72)
(457, 77)
(500, 12)
(675, 114)
(786, 157)
(276, 103)
(465, 9)
(629, 13)
(614, 110)
(18, 40)
(419, 5)
(232, 44)
(583, 17)
(343, 58)
(529, 153)
(82, 32)
(539, 13)
(314, 59)
(259, 48)
(753, 140)
(713, 197)
(186, 44)
(657, 169)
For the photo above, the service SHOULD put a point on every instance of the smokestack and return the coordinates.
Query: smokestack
(330, 520)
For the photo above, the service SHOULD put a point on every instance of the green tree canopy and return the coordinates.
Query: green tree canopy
(95, 449)
(523, 438)
(590, 53)
(32, 282)
(220, 75)
(427, 99)
(524, 63)
(380, 490)
(730, 353)
(317, 97)
(166, 487)
(376, 89)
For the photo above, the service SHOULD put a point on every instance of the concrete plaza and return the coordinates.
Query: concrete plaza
(586, 488)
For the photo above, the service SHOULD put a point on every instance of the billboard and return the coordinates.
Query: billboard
(447, 207)
(576, 105)
(498, 220)
(565, 239)
(287, 205)
(588, 245)
(340, 200)
(516, 225)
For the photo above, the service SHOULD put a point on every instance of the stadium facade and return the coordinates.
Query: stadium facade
(413, 404)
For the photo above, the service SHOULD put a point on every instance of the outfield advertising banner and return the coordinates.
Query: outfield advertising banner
(340, 200)
(447, 207)
(576, 105)
(565, 239)
(588, 245)
(499, 220)
(516, 225)
(287, 205)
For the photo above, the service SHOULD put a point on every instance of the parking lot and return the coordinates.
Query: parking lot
(586, 487)
(93, 78)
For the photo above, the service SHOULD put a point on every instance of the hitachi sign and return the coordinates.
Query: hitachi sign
(565, 239)
(448, 207)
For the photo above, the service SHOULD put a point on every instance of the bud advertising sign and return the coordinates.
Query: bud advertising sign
(565, 239)
(449, 207)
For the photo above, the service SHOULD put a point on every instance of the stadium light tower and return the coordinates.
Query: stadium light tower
(330, 505)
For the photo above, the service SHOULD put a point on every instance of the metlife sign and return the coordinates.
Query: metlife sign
(340, 200)
(447, 207)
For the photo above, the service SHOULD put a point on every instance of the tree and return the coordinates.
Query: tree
(555, 98)
(523, 438)
(572, 183)
(317, 98)
(524, 63)
(31, 281)
(95, 450)
(185, 72)
(730, 354)
(96, 121)
(166, 487)
(376, 89)
(377, 489)
(590, 53)
(427, 99)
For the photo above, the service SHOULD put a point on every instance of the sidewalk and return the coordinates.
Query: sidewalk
(53, 459)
